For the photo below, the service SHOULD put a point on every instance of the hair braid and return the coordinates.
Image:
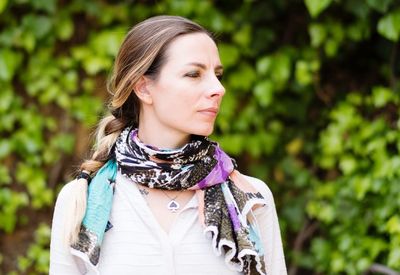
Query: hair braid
(107, 133)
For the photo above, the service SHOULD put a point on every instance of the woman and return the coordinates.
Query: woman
(162, 197)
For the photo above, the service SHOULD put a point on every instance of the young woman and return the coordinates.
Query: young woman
(162, 197)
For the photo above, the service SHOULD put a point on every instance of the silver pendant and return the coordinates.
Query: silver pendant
(173, 206)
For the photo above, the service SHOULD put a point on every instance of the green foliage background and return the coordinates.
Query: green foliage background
(312, 108)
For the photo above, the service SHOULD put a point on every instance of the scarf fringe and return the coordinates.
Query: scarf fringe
(83, 262)
(218, 249)
(229, 247)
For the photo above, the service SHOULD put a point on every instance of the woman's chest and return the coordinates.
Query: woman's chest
(137, 244)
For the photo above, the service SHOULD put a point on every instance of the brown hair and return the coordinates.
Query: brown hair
(143, 52)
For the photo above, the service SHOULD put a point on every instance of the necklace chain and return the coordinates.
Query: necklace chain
(172, 205)
(170, 197)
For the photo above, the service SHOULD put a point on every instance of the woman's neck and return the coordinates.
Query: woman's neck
(162, 139)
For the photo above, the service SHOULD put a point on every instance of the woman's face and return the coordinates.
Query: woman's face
(187, 93)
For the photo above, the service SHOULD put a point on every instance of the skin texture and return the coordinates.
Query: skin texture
(173, 104)
(189, 82)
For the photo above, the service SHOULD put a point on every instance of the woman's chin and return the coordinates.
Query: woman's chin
(205, 131)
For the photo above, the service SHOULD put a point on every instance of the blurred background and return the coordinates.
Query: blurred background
(312, 108)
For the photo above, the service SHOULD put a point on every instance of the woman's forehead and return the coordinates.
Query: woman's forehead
(193, 48)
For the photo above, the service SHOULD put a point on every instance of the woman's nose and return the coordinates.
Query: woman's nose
(216, 88)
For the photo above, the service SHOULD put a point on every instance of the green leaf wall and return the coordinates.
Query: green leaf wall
(312, 108)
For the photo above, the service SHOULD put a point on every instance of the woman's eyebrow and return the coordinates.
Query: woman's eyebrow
(203, 66)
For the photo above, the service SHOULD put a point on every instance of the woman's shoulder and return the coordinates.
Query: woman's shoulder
(260, 186)
(65, 193)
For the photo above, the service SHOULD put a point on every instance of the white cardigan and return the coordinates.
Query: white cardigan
(138, 245)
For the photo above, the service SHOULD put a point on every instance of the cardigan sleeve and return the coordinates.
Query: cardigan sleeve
(61, 260)
(267, 220)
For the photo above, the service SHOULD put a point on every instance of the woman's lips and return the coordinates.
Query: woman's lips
(212, 112)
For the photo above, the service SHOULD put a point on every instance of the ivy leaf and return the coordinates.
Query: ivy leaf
(361, 186)
(358, 30)
(264, 91)
(381, 96)
(6, 100)
(38, 25)
(232, 143)
(302, 72)
(45, 5)
(108, 42)
(315, 7)
(264, 65)
(4, 175)
(243, 78)
(281, 69)
(317, 34)
(389, 26)
(295, 146)
(3, 5)
(64, 28)
(86, 108)
(94, 64)
(394, 257)
(379, 5)
(348, 164)
(5, 148)
(393, 225)
(9, 62)
(229, 54)
(243, 36)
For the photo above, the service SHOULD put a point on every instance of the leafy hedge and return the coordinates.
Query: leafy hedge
(312, 108)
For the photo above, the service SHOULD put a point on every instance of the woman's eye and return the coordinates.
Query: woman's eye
(193, 74)
(219, 76)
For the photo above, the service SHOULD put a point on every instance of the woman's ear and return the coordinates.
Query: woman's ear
(142, 91)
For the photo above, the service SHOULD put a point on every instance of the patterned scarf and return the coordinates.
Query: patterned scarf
(225, 197)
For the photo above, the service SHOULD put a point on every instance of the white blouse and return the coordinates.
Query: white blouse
(137, 244)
